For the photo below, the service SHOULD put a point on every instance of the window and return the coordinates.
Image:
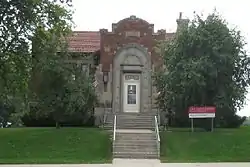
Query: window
(131, 94)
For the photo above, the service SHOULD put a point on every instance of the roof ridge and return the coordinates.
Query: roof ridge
(86, 31)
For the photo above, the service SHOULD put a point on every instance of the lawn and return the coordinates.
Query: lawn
(224, 145)
(50, 146)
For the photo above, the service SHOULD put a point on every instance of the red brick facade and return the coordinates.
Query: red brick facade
(129, 30)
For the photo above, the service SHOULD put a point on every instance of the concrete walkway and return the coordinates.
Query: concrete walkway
(139, 163)
(156, 163)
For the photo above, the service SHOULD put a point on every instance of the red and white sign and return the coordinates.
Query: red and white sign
(201, 112)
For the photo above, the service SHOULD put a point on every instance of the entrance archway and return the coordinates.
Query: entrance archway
(132, 69)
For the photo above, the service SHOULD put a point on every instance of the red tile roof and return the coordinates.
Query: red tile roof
(84, 41)
(89, 41)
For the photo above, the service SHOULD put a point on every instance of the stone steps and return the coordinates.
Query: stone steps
(130, 121)
(135, 137)
(129, 138)
(135, 116)
(135, 145)
(134, 149)
(135, 155)
(130, 124)
(134, 121)
(140, 145)
(134, 127)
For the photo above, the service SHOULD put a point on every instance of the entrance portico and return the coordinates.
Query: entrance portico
(131, 80)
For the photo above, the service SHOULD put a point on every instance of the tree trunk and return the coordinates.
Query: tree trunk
(57, 125)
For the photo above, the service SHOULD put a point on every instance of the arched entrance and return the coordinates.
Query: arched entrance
(132, 80)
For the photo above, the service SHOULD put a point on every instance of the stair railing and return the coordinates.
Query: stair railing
(114, 130)
(158, 140)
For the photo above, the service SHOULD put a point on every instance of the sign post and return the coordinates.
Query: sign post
(202, 112)
(192, 124)
(212, 128)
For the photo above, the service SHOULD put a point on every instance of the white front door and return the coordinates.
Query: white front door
(131, 96)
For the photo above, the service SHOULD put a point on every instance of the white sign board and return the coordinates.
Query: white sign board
(201, 112)
(201, 115)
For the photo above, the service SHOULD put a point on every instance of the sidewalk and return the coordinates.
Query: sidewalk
(137, 163)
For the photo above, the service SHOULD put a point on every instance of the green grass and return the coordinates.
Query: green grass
(51, 146)
(89, 145)
(224, 145)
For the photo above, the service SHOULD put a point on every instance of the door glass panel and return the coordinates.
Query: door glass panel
(131, 94)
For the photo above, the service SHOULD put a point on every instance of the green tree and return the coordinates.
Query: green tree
(68, 2)
(62, 96)
(206, 65)
(19, 20)
(57, 92)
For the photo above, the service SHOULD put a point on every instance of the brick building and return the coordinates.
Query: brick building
(127, 60)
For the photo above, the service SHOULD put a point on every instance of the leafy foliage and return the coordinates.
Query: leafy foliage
(62, 96)
(68, 2)
(57, 92)
(19, 21)
(206, 64)
(39, 73)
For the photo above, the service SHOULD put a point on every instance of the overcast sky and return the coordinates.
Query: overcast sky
(91, 15)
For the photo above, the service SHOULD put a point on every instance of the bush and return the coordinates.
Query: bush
(5, 113)
(32, 119)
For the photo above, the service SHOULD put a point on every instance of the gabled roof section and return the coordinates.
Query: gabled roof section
(84, 41)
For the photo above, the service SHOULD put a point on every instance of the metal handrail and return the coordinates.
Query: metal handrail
(157, 136)
(114, 130)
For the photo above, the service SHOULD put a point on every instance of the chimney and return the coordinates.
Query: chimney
(180, 15)
(181, 23)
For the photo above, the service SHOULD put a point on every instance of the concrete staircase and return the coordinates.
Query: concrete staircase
(135, 136)
(130, 121)
(135, 121)
(135, 144)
